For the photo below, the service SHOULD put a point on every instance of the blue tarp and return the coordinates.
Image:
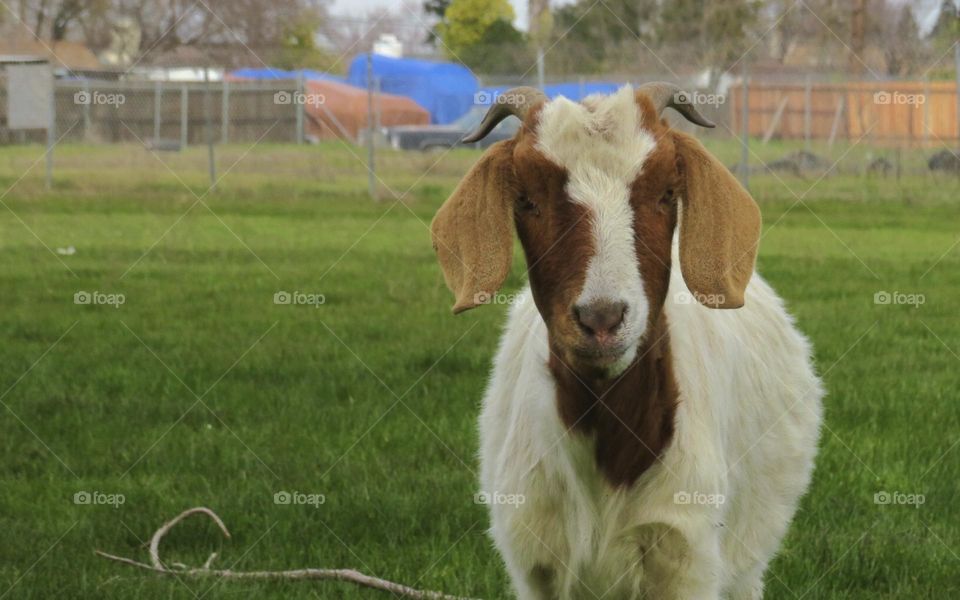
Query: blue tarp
(270, 73)
(573, 91)
(445, 89)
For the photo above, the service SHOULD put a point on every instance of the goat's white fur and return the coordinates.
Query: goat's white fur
(746, 431)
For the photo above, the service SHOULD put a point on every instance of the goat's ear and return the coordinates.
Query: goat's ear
(719, 227)
(473, 230)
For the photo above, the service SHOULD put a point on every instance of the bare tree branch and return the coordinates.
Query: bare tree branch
(350, 575)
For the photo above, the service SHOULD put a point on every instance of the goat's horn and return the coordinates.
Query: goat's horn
(669, 95)
(517, 102)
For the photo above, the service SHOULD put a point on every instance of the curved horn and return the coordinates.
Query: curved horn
(670, 95)
(517, 102)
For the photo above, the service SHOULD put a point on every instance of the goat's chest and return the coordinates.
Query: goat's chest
(570, 524)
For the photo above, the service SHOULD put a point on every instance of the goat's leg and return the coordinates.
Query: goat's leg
(748, 586)
(533, 584)
(683, 567)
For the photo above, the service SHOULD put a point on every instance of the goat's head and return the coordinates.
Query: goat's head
(595, 191)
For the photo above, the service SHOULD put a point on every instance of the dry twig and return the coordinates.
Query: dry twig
(157, 566)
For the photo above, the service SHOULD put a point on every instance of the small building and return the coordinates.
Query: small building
(67, 58)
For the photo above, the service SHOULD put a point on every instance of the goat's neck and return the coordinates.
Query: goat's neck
(631, 416)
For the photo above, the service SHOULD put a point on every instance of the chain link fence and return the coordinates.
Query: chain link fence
(793, 128)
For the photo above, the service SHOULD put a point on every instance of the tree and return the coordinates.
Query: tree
(438, 10)
(713, 33)
(468, 23)
(540, 20)
(501, 50)
(298, 47)
(588, 39)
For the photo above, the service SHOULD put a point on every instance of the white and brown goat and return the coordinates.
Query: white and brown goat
(659, 445)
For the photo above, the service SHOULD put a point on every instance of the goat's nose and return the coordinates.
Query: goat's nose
(600, 318)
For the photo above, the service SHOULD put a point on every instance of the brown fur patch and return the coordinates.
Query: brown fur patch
(630, 418)
(557, 240)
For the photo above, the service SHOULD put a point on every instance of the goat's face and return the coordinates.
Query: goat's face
(592, 190)
(595, 218)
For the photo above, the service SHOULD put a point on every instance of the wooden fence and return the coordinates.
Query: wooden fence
(883, 112)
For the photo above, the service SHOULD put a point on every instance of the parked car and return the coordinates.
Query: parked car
(435, 137)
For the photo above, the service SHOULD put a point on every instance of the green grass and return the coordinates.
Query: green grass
(199, 390)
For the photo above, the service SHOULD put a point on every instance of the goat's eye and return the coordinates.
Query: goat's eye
(524, 204)
(667, 199)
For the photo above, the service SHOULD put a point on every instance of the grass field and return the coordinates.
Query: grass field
(199, 390)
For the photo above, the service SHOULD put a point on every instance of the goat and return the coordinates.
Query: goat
(653, 445)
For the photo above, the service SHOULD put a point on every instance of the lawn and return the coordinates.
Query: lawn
(199, 390)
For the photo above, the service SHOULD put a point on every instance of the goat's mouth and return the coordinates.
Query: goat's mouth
(600, 354)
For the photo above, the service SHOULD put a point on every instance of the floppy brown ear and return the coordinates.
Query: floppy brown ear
(719, 228)
(473, 230)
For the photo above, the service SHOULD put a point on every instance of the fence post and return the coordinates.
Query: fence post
(376, 104)
(86, 112)
(157, 97)
(956, 60)
(371, 158)
(225, 112)
(745, 126)
(835, 128)
(299, 100)
(208, 126)
(807, 113)
(51, 129)
(540, 68)
(184, 109)
(926, 111)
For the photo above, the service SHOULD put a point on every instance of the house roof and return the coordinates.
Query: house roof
(73, 56)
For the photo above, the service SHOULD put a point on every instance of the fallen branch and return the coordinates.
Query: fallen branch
(179, 570)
